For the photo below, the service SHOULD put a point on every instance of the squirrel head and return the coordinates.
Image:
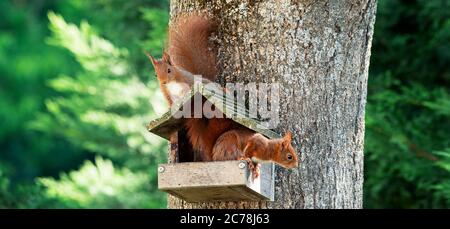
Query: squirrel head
(164, 69)
(287, 157)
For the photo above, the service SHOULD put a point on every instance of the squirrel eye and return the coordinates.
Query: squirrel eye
(289, 157)
(168, 70)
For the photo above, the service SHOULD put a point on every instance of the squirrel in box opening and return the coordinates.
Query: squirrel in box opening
(244, 144)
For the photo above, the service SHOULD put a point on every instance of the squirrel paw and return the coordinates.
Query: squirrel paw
(254, 168)
(256, 171)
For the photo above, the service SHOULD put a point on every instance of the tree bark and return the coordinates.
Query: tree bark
(318, 50)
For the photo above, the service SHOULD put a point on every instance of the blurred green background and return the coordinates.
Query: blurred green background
(76, 92)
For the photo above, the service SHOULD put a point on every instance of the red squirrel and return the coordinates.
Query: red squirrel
(189, 53)
(245, 144)
(174, 81)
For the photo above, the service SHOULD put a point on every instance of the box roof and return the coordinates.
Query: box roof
(167, 124)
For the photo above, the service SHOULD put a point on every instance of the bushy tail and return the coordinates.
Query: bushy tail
(203, 133)
(227, 148)
(189, 44)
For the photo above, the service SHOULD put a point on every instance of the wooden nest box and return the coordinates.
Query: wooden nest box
(209, 181)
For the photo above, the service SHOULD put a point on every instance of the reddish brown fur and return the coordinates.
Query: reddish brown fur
(203, 133)
(190, 50)
(161, 67)
(244, 143)
(190, 47)
(230, 145)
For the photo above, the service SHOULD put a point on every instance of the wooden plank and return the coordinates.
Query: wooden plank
(174, 157)
(201, 174)
(258, 127)
(166, 124)
(242, 119)
(212, 194)
(266, 185)
(216, 181)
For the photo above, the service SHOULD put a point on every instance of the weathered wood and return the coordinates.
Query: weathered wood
(174, 157)
(216, 181)
(167, 124)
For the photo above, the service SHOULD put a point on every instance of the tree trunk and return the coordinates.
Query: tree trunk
(319, 53)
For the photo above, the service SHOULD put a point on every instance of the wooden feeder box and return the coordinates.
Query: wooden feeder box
(195, 181)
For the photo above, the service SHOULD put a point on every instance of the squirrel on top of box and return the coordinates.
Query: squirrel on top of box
(189, 52)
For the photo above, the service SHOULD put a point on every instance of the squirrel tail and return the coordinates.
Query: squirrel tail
(203, 134)
(196, 128)
(189, 44)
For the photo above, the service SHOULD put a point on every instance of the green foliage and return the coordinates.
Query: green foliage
(138, 25)
(408, 116)
(100, 185)
(26, 63)
(5, 195)
(88, 99)
(23, 195)
(443, 188)
(105, 107)
(103, 110)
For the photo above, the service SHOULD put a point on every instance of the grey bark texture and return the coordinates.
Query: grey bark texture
(319, 51)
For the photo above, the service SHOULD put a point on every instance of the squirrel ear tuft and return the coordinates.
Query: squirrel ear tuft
(288, 136)
(166, 58)
(151, 58)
